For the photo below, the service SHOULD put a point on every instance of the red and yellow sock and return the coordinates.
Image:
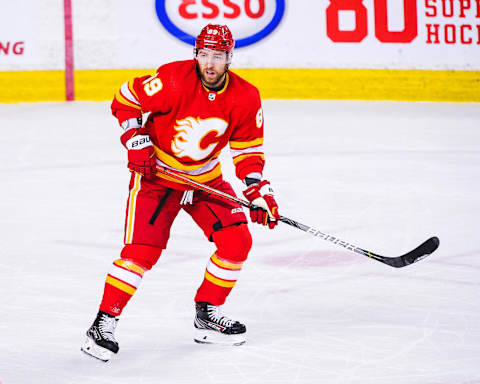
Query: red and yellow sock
(220, 277)
(120, 285)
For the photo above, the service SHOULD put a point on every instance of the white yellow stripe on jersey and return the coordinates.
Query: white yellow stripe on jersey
(119, 97)
(132, 202)
(239, 158)
(240, 150)
(127, 96)
(202, 178)
(238, 145)
(130, 88)
(202, 172)
(127, 93)
(171, 161)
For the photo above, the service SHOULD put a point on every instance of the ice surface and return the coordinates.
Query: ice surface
(382, 175)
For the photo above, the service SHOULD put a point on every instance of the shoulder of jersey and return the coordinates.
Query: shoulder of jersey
(243, 84)
(177, 67)
(177, 74)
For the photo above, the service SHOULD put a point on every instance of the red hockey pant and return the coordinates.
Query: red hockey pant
(151, 210)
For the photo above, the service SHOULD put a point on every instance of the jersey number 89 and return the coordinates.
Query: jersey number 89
(153, 86)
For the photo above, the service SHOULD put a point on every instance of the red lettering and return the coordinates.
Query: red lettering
(444, 8)
(214, 12)
(183, 11)
(433, 33)
(453, 36)
(236, 10)
(410, 22)
(260, 12)
(5, 48)
(361, 23)
(464, 4)
(478, 8)
(433, 8)
(18, 48)
(462, 34)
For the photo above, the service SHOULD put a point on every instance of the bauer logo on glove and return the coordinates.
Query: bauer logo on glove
(139, 142)
(141, 156)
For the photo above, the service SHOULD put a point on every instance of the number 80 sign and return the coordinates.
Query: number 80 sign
(381, 27)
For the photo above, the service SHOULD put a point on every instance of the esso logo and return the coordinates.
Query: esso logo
(249, 20)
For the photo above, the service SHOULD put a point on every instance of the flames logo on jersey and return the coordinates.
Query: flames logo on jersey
(192, 131)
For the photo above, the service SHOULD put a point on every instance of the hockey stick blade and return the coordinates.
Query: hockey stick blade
(422, 251)
(417, 254)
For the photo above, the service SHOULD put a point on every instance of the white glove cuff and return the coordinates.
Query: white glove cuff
(266, 190)
(134, 122)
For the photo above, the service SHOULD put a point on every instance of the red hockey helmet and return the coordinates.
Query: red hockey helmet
(216, 37)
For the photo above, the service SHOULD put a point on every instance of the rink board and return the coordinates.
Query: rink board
(277, 83)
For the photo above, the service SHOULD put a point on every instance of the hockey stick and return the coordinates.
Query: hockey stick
(422, 251)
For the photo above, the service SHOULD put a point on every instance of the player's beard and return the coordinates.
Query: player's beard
(213, 81)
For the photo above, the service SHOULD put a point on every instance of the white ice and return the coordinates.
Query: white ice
(382, 175)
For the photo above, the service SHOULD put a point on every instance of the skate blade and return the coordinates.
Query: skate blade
(207, 336)
(96, 351)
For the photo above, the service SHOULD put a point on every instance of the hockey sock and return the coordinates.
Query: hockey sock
(223, 269)
(220, 277)
(120, 285)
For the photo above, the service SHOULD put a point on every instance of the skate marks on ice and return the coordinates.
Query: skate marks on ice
(382, 175)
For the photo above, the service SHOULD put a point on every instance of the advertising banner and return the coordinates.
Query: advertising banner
(368, 49)
(31, 35)
(379, 34)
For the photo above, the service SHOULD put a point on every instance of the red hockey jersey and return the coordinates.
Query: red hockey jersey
(189, 124)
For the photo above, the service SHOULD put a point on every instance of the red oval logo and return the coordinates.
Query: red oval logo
(249, 20)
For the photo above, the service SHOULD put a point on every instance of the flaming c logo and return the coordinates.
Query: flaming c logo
(190, 133)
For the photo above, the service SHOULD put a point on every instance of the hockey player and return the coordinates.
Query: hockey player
(197, 108)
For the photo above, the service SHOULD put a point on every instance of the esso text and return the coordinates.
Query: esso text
(229, 9)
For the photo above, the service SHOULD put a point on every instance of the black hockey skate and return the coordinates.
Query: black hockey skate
(212, 327)
(100, 342)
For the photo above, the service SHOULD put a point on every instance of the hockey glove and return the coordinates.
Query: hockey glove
(261, 195)
(141, 156)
